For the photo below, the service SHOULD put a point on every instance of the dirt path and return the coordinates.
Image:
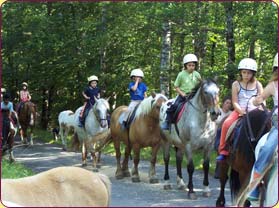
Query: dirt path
(41, 157)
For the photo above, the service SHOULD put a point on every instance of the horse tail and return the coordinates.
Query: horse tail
(234, 184)
(103, 139)
(107, 183)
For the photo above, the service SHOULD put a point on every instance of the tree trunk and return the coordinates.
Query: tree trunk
(230, 43)
(165, 59)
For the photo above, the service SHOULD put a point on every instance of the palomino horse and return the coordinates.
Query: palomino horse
(8, 133)
(27, 118)
(143, 132)
(241, 153)
(269, 189)
(66, 120)
(95, 123)
(58, 187)
(195, 130)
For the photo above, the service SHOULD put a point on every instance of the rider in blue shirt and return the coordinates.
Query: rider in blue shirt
(137, 90)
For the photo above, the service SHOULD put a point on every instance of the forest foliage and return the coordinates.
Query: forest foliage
(55, 46)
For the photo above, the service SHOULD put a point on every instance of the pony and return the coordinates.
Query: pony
(9, 131)
(96, 122)
(58, 187)
(66, 120)
(269, 189)
(195, 130)
(27, 120)
(143, 132)
(241, 144)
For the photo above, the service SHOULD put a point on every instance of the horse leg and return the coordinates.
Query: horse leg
(125, 168)
(135, 171)
(220, 202)
(179, 179)
(118, 173)
(206, 190)
(23, 135)
(191, 169)
(31, 136)
(166, 155)
(64, 139)
(152, 172)
(84, 154)
(10, 145)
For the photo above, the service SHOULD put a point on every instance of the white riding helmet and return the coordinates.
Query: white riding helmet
(190, 58)
(249, 64)
(137, 73)
(25, 83)
(275, 61)
(92, 78)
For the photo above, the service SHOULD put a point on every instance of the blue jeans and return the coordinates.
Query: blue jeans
(266, 152)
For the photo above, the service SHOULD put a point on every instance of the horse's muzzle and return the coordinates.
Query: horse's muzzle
(214, 114)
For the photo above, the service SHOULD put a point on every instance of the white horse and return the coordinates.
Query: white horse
(66, 122)
(195, 130)
(58, 187)
(95, 124)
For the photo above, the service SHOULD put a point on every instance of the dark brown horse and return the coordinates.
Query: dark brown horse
(143, 132)
(27, 118)
(8, 134)
(241, 145)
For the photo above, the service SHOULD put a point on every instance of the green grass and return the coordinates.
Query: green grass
(14, 170)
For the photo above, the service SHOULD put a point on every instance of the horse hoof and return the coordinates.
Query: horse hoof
(95, 170)
(64, 149)
(206, 194)
(153, 180)
(192, 196)
(135, 179)
(127, 174)
(167, 187)
(119, 176)
(84, 165)
(98, 165)
(181, 187)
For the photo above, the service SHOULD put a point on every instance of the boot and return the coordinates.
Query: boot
(165, 125)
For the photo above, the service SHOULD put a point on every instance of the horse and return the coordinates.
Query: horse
(143, 132)
(66, 122)
(58, 187)
(27, 119)
(96, 122)
(269, 189)
(195, 130)
(241, 144)
(9, 131)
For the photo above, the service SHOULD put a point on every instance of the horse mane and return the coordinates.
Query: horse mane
(146, 105)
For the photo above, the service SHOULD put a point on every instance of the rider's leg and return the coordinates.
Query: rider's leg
(81, 115)
(225, 127)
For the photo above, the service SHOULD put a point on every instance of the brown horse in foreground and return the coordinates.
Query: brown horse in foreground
(143, 132)
(27, 118)
(58, 187)
(241, 145)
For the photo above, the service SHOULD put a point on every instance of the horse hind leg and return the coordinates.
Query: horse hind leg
(125, 168)
(135, 171)
(152, 172)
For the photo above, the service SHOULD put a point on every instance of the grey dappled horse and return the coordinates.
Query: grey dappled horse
(95, 123)
(195, 130)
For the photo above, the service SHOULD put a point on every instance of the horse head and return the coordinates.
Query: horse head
(209, 92)
(101, 110)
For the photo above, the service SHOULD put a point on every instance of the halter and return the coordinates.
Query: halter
(97, 115)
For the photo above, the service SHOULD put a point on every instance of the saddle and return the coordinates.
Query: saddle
(232, 135)
(130, 119)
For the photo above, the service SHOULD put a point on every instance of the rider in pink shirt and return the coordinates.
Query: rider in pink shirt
(24, 96)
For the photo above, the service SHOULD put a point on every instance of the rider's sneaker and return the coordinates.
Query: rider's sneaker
(220, 158)
(165, 125)
(80, 125)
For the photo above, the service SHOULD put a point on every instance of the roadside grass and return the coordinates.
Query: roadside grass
(14, 170)
(46, 136)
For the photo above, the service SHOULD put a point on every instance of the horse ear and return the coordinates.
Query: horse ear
(153, 94)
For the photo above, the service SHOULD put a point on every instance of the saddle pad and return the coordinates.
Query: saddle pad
(181, 110)
(231, 129)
